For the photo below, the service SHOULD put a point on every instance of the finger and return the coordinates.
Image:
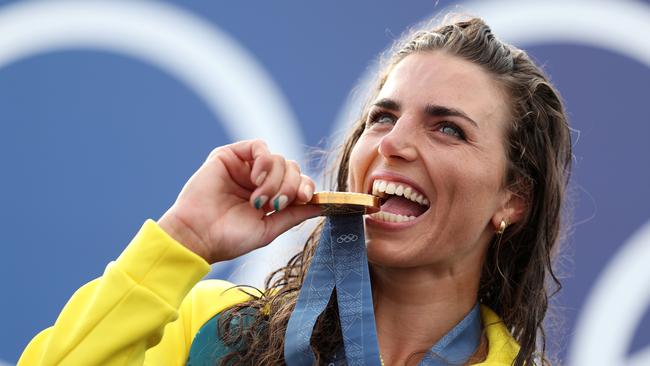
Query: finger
(289, 187)
(306, 190)
(272, 181)
(279, 222)
(261, 168)
(249, 150)
(258, 154)
(238, 169)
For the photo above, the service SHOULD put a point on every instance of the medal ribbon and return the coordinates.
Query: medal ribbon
(340, 262)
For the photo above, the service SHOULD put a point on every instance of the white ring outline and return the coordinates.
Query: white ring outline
(615, 306)
(223, 74)
(537, 22)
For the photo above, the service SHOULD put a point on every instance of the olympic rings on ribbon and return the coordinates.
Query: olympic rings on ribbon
(347, 238)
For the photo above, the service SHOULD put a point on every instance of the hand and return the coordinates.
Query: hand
(240, 199)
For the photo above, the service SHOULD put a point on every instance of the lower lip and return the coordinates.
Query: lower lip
(370, 221)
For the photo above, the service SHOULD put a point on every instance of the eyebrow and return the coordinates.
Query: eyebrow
(433, 110)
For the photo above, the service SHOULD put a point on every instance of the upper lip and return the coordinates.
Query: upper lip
(394, 177)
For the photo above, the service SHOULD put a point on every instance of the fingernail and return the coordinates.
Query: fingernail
(309, 192)
(260, 201)
(280, 202)
(260, 179)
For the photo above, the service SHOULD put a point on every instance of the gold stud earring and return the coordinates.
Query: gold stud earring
(502, 227)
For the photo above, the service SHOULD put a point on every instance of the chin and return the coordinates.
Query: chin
(383, 254)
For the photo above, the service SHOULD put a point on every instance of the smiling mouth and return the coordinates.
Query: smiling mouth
(400, 202)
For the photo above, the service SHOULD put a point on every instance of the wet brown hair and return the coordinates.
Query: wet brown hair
(518, 276)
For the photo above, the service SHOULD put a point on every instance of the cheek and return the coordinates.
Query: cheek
(361, 158)
(480, 188)
(468, 193)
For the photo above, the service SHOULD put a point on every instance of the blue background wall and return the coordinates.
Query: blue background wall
(93, 142)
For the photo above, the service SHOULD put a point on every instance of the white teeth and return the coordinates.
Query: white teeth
(391, 217)
(390, 188)
(399, 190)
(382, 186)
(379, 187)
(407, 192)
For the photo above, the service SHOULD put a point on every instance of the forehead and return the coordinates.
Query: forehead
(438, 78)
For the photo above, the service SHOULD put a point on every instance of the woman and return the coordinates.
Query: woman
(468, 144)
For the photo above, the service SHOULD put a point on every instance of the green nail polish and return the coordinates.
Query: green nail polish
(260, 201)
(280, 202)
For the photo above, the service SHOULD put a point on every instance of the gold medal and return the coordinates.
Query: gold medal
(345, 203)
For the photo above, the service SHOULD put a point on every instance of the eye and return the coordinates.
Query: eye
(452, 130)
(381, 117)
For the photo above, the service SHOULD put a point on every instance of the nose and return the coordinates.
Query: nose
(400, 142)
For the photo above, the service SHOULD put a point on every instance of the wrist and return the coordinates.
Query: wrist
(183, 234)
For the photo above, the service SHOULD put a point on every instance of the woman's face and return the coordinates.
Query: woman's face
(434, 147)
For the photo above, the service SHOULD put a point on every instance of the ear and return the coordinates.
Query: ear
(512, 209)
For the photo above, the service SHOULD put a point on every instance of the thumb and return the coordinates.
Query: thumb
(279, 222)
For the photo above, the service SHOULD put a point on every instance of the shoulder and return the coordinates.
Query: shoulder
(502, 347)
(219, 288)
(209, 298)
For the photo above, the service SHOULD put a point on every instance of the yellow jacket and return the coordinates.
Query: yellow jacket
(149, 304)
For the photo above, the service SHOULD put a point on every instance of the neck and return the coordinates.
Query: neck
(416, 307)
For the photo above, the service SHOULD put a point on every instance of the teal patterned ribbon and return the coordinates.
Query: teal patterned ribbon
(340, 262)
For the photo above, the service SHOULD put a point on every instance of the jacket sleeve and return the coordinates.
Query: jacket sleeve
(116, 318)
